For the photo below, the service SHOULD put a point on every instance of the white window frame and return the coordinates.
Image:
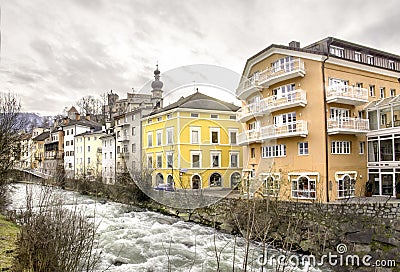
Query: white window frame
(391, 64)
(169, 132)
(274, 189)
(194, 115)
(236, 153)
(337, 51)
(382, 92)
(304, 193)
(357, 56)
(273, 151)
(231, 130)
(392, 92)
(214, 116)
(150, 139)
(370, 59)
(303, 148)
(212, 154)
(191, 158)
(372, 90)
(159, 160)
(340, 182)
(340, 147)
(198, 130)
(219, 135)
(168, 154)
(147, 161)
(159, 136)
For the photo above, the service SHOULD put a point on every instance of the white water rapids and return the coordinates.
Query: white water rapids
(149, 242)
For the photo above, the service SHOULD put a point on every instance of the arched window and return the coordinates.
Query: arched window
(196, 182)
(215, 180)
(170, 180)
(235, 180)
(346, 186)
(303, 187)
(271, 185)
(159, 179)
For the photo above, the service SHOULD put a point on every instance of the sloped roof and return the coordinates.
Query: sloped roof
(83, 122)
(199, 101)
(73, 109)
(42, 136)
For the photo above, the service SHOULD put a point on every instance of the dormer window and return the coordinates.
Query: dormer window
(357, 56)
(337, 51)
(391, 64)
(370, 60)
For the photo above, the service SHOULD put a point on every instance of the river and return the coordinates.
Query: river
(140, 240)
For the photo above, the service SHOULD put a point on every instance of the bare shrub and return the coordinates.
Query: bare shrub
(53, 238)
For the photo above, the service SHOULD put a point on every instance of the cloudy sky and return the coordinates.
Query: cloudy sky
(54, 52)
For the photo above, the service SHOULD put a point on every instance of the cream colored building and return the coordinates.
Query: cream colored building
(88, 154)
(305, 119)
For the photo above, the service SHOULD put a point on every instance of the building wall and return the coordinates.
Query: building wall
(88, 155)
(108, 158)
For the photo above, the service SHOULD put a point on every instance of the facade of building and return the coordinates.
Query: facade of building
(26, 144)
(38, 150)
(305, 120)
(54, 152)
(109, 156)
(88, 154)
(73, 125)
(192, 143)
(384, 145)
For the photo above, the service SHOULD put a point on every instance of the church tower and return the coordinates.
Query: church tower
(156, 92)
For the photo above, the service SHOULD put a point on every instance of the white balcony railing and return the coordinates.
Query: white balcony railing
(291, 99)
(346, 94)
(298, 128)
(285, 71)
(348, 126)
(270, 76)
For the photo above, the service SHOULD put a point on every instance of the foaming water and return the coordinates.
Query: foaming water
(134, 240)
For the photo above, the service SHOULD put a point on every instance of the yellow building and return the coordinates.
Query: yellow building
(38, 150)
(192, 144)
(88, 154)
(304, 113)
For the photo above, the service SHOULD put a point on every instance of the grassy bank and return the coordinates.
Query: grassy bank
(8, 236)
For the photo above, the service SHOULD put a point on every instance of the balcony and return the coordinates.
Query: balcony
(250, 111)
(296, 98)
(345, 94)
(294, 129)
(123, 155)
(249, 136)
(289, 70)
(348, 126)
(247, 87)
(123, 138)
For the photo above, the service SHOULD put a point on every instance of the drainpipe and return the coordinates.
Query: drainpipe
(326, 124)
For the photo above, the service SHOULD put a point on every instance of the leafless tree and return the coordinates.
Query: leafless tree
(93, 106)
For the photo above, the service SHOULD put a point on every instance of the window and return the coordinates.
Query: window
(252, 153)
(357, 56)
(234, 159)
(170, 135)
(391, 64)
(149, 139)
(67, 143)
(233, 136)
(346, 187)
(88, 160)
(337, 51)
(169, 116)
(372, 90)
(133, 148)
(215, 159)
(286, 120)
(72, 142)
(133, 131)
(133, 117)
(195, 115)
(303, 187)
(159, 137)
(159, 119)
(362, 147)
(382, 92)
(159, 160)
(214, 116)
(67, 153)
(392, 92)
(214, 135)
(149, 161)
(196, 159)
(71, 153)
(149, 121)
(270, 185)
(118, 149)
(370, 59)
(303, 148)
(273, 151)
(284, 91)
(196, 182)
(359, 85)
(285, 64)
(105, 156)
(72, 131)
(67, 131)
(195, 135)
(215, 180)
(232, 117)
(88, 148)
(125, 149)
(170, 157)
(340, 147)
(88, 138)
(111, 155)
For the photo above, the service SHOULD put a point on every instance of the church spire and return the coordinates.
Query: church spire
(156, 91)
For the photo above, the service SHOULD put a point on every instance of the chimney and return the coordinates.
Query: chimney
(65, 121)
(87, 116)
(294, 44)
